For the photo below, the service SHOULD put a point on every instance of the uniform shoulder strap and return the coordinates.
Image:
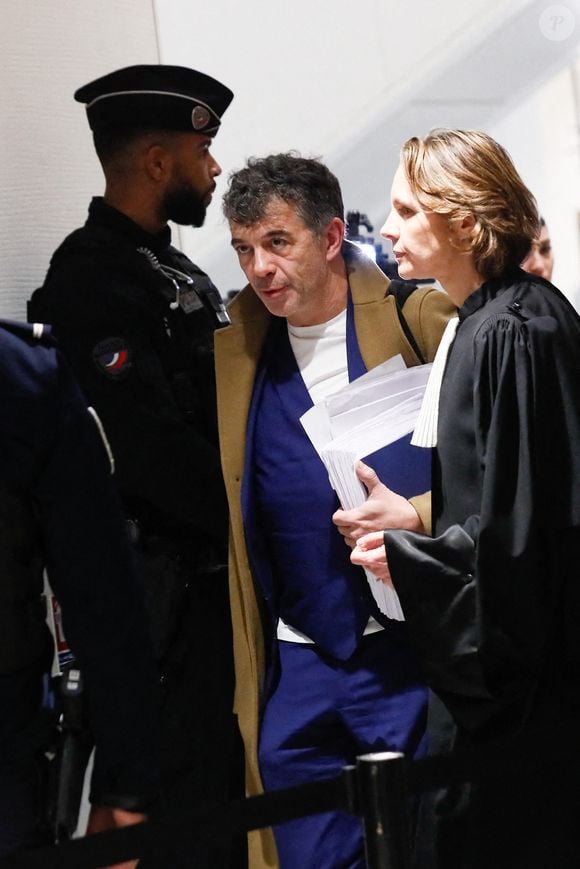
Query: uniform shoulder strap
(402, 291)
(32, 333)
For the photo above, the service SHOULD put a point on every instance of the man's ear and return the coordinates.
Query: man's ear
(334, 237)
(157, 162)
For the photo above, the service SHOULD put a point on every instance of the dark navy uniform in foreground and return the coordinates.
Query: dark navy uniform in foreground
(59, 509)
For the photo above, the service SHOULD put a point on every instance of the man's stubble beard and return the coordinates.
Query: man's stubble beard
(184, 206)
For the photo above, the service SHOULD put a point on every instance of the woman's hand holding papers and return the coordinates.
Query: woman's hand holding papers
(382, 509)
(370, 552)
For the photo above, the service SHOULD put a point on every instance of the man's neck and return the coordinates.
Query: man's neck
(136, 209)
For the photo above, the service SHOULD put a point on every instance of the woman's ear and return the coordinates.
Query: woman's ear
(465, 226)
(461, 232)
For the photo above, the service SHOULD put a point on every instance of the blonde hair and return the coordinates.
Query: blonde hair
(466, 172)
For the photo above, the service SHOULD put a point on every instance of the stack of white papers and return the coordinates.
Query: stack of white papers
(372, 412)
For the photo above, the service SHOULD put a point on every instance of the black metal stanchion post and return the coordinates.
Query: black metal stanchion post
(384, 806)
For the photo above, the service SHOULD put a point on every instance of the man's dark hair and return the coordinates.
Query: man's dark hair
(305, 183)
(114, 145)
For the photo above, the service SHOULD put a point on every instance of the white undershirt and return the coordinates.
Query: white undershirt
(320, 352)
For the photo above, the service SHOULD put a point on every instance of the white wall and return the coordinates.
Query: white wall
(542, 135)
(48, 169)
(344, 81)
(349, 82)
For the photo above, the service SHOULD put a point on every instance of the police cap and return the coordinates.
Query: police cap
(156, 96)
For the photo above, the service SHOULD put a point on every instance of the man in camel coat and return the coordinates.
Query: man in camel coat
(322, 675)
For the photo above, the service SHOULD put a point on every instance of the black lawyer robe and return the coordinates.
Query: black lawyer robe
(493, 599)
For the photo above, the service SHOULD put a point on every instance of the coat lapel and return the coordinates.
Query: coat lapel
(377, 323)
(237, 353)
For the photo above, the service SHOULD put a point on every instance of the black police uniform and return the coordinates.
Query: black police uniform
(59, 510)
(136, 318)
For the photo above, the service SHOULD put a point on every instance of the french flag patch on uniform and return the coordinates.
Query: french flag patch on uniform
(113, 357)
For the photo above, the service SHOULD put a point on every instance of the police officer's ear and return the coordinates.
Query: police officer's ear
(334, 237)
(157, 162)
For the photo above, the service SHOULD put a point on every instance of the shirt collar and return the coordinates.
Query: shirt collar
(103, 213)
(489, 290)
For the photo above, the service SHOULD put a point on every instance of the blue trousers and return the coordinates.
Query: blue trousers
(320, 716)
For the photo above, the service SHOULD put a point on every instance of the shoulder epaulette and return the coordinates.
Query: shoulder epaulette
(33, 333)
(215, 300)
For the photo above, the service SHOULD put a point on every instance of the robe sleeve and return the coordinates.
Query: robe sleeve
(490, 601)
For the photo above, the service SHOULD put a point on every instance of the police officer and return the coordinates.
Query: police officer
(136, 319)
(59, 510)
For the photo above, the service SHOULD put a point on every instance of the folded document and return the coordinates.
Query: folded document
(372, 418)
